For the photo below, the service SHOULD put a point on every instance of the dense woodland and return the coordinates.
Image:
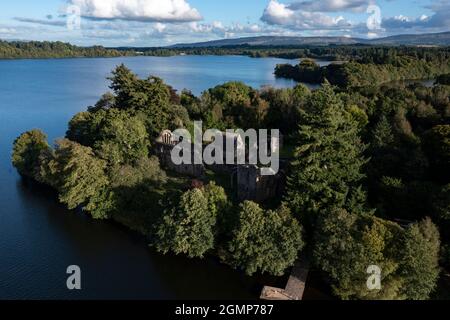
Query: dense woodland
(46, 49)
(35, 49)
(361, 53)
(373, 66)
(368, 183)
(286, 52)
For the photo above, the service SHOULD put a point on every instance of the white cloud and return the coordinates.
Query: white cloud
(280, 14)
(219, 29)
(7, 31)
(277, 13)
(138, 10)
(160, 27)
(401, 18)
(439, 21)
(159, 22)
(332, 5)
(331, 17)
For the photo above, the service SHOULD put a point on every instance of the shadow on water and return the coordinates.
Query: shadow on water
(115, 262)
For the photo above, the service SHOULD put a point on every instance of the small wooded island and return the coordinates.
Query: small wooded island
(372, 66)
(367, 174)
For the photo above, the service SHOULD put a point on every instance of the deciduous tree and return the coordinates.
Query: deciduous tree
(187, 227)
(265, 241)
(27, 151)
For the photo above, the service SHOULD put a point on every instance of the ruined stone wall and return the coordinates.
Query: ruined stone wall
(247, 179)
(163, 151)
(251, 185)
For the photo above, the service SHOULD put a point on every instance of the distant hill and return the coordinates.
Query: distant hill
(432, 39)
(272, 41)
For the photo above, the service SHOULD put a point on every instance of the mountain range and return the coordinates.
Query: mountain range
(430, 39)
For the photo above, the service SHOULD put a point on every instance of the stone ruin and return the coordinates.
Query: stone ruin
(247, 180)
(252, 185)
(164, 145)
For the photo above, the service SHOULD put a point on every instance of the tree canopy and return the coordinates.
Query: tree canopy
(187, 227)
(326, 170)
(265, 241)
(347, 244)
(46, 49)
(27, 151)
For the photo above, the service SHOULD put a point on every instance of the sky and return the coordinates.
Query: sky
(165, 22)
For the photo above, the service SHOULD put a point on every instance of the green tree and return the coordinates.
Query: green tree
(382, 135)
(138, 191)
(144, 171)
(326, 170)
(27, 151)
(309, 71)
(347, 244)
(420, 260)
(359, 115)
(235, 105)
(107, 101)
(285, 106)
(45, 49)
(306, 71)
(437, 147)
(114, 134)
(441, 203)
(83, 128)
(122, 138)
(188, 227)
(265, 241)
(151, 99)
(155, 108)
(218, 202)
(220, 206)
(192, 104)
(123, 83)
(78, 175)
(102, 204)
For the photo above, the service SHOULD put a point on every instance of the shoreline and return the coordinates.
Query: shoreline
(153, 56)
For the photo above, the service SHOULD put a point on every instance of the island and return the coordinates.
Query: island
(372, 66)
(364, 182)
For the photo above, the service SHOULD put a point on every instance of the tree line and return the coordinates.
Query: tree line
(365, 54)
(358, 52)
(46, 49)
(372, 67)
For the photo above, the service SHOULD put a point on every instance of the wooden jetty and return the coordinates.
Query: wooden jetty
(295, 287)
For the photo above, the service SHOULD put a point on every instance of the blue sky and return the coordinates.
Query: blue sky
(164, 22)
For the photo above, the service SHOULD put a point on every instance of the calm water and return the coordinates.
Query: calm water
(39, 238)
